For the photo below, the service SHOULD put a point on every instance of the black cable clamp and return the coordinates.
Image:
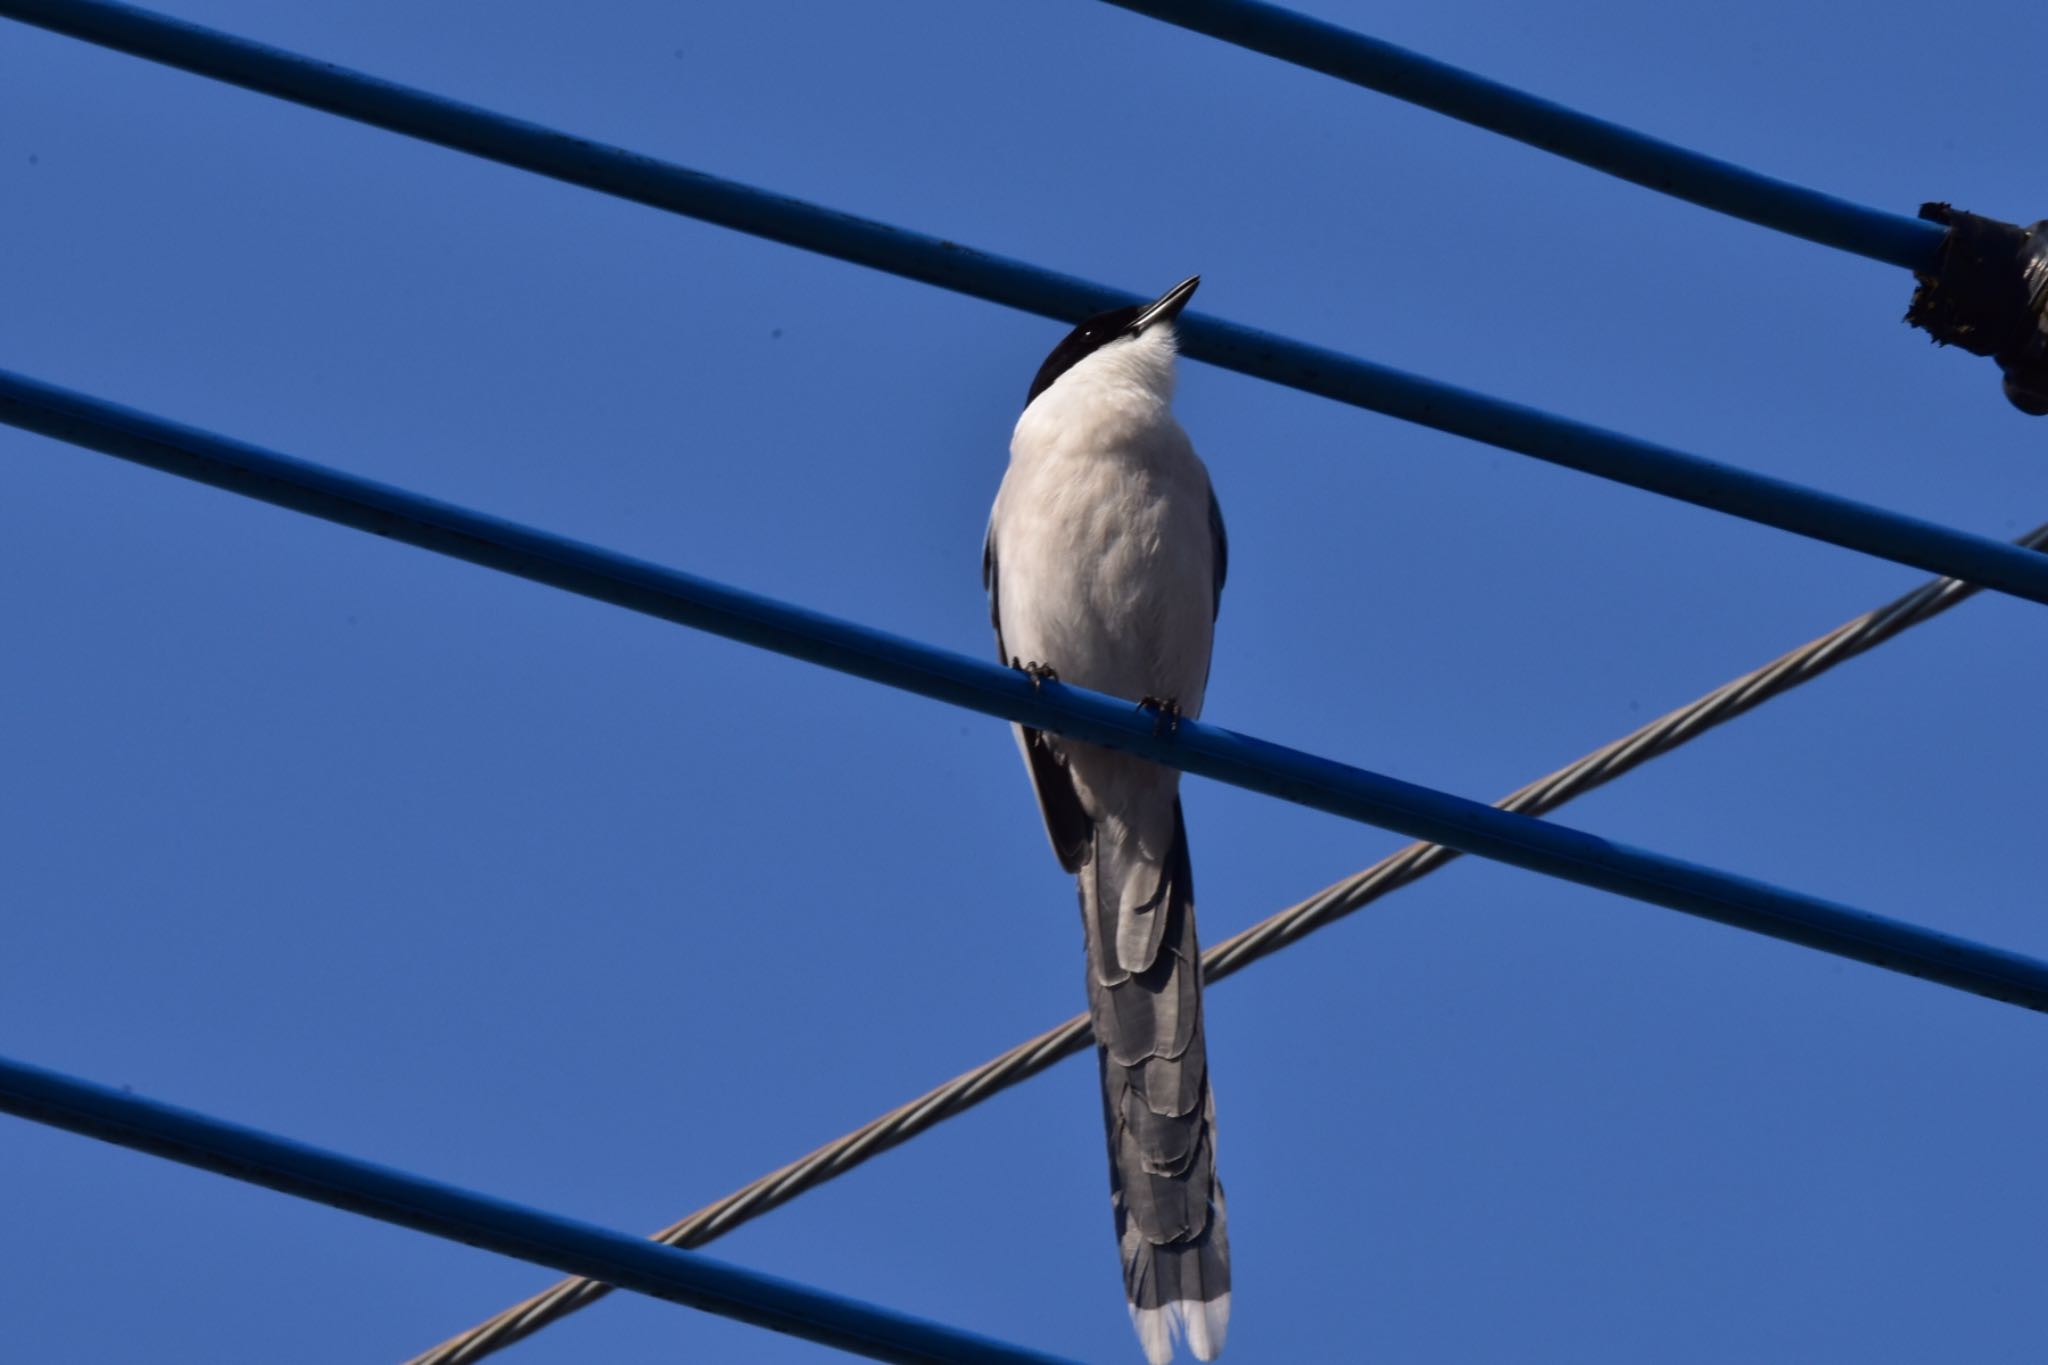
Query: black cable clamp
(1989, 295)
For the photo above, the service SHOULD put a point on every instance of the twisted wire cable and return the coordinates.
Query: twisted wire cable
(1410, 864)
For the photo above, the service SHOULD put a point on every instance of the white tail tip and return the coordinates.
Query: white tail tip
(1204, 1323)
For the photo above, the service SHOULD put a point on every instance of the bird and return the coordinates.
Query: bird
(1104, 567)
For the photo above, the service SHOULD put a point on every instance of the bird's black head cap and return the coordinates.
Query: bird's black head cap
(1098, 331)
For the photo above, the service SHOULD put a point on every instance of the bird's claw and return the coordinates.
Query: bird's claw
(1165, 714)
(1040, 674)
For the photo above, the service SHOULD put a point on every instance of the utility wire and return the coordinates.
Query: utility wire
(1216, 337)
(1312, 369)
(1637, 157)
(1333, 903)
(1192, 746)
(460, 1215)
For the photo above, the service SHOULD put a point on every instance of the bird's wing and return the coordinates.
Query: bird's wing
(1066, 824)
(1220, 543)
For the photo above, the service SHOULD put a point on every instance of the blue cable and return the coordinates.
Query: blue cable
(1637, 157)
(1196, 747)
(612, 170)
(460, 1215)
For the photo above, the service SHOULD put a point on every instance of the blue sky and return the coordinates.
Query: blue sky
(461, 874)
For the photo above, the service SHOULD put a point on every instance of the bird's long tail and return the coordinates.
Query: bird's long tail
(1145, 997)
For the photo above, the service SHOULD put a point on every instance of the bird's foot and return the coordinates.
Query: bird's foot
(1165, 714)
(1040, 674)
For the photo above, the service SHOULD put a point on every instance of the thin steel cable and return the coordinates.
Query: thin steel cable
(1333, 903)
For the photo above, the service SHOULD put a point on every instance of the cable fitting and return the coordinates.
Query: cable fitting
(1989, 295)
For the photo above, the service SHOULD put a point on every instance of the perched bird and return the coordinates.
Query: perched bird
(1104, 568)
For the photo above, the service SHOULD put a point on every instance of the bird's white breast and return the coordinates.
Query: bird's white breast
(1103, 537)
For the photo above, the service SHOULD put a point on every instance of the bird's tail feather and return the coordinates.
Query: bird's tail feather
(1157, 1109)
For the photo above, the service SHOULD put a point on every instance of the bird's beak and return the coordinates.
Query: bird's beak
(1167, 306)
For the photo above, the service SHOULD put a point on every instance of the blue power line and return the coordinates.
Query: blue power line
(1647, 161)
(612, 170)
(1199, 748)
(460, 1215)
(661, 1271)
